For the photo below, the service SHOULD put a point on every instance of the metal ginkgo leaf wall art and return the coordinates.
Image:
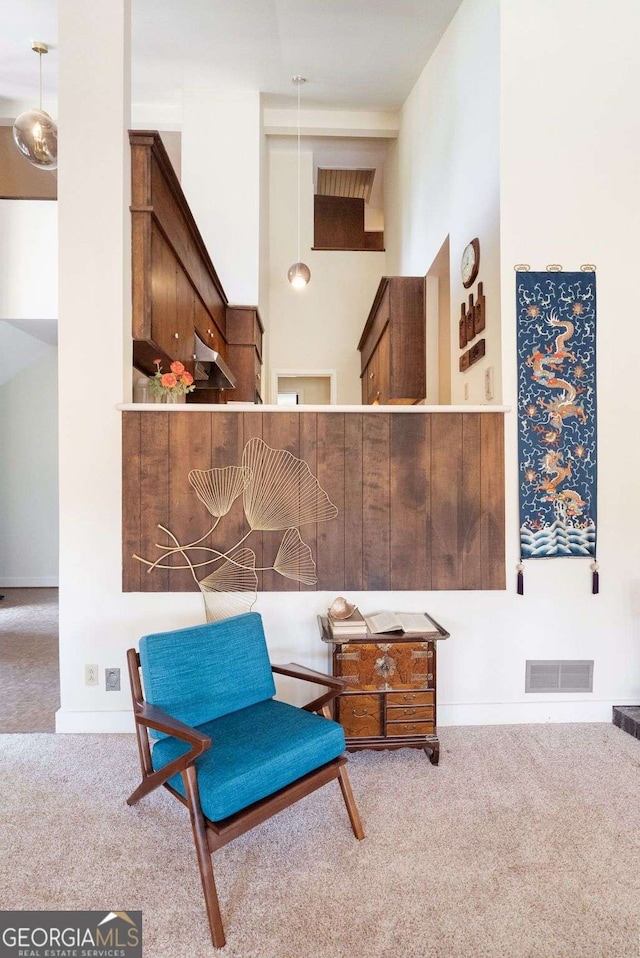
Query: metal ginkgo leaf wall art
(280, 493)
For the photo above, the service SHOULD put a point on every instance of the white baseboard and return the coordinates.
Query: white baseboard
(94, 722)
(525, 713)
(481, 713)
(29, 582)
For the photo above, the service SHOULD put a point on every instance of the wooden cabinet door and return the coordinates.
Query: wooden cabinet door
(164, 299)
(383, 354)
(386, 666)
(375, 381)
(372, 377)
(185, 307)
(360, 715)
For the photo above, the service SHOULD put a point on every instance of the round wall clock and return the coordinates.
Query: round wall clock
(470, 263)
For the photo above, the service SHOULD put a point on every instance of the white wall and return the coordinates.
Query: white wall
(94, 340)
(570, 193)
(442, 176)
(29, 474)
(221, 165)
(28, 259)
(264, 253)
(318, 327)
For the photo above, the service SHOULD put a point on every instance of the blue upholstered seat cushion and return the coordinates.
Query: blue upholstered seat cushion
(200, 673)
(254, 753)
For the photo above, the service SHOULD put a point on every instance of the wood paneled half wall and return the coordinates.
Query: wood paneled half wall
(419, 497)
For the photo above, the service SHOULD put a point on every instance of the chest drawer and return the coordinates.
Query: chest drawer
(396, 729)
(395, 699)
(411, 713)
(360, 715)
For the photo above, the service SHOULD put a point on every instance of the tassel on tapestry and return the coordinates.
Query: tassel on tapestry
(556, 331)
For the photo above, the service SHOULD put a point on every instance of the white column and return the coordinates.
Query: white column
(94, 334)
(221, 180)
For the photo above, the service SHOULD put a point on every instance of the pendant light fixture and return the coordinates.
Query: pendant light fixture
(299, 274)
(34, 132)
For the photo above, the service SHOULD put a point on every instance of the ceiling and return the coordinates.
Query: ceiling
(22, 343)
(356, 54)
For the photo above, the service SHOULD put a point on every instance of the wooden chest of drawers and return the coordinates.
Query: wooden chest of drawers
(390, 697)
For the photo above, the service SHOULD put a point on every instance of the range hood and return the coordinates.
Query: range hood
(217, 374)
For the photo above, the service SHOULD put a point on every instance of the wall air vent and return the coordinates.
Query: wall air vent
(354, 183)
(559, 675)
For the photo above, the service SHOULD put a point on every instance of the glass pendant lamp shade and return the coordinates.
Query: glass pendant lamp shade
(34, 132)
(299, 275)
(36, 135)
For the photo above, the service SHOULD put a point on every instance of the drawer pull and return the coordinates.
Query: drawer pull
(419, 655)
(410, 711)
(348, 656)
(362, 714)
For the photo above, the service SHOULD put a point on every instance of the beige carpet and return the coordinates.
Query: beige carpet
(29, 676)
(524, 843)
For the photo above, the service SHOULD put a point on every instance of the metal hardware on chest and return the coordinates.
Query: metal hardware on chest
(385, 666)
(348, 656)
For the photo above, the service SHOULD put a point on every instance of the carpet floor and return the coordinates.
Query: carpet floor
(29, 673)
(524, 843)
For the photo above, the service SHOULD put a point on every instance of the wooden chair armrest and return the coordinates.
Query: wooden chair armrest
(156, 718)
(153, 717)
(333, 683)
(296, 671)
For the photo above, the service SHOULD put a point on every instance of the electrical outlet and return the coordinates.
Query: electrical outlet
(91, 675)
(112, 680)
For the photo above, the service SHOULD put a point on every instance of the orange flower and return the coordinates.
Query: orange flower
(169, 380)
(157, 362)
(186, 379)
(177, 367)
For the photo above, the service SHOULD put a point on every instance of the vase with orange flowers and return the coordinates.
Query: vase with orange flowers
(171, 386)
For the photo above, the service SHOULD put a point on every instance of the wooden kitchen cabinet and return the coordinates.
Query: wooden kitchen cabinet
(244, 351)
(392, 345)
(390, 696)
(175, 288)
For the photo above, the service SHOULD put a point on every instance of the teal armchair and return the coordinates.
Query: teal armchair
(210, 731)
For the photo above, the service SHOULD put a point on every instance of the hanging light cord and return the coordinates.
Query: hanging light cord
(40, 59)
(298, 84)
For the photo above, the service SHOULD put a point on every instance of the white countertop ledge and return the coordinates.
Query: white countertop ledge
(254, 407)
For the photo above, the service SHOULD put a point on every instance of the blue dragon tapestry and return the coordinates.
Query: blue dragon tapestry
(556, 317)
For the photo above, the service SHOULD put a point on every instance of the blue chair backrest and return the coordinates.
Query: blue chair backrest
(200, 673)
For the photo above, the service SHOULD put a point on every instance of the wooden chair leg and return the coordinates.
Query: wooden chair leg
(204, 858)
(350, 802)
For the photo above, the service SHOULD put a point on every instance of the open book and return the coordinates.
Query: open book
(399, 622)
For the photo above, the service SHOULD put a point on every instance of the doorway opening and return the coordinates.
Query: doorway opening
(303, 387)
